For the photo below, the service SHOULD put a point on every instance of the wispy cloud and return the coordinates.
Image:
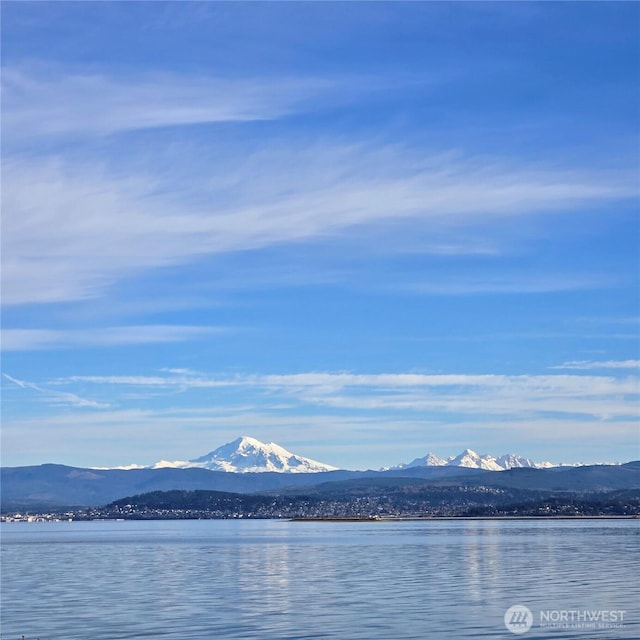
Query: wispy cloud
(31, 339)
(55, 102)
(57, 397)
(71, 232)
(508, 284)
(588, 365)
(491, 396)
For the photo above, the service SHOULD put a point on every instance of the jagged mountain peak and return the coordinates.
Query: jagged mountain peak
(473, 460)
(430, 460)
(246, 441)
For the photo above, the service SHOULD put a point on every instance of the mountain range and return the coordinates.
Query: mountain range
(248, 455)
(53, 485)
(248, 466)
(472, 460)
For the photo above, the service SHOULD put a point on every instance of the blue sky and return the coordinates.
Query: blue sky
(363, 231)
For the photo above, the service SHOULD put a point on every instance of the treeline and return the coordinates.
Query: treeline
(199, 499)
(615, 503)
(395, 501)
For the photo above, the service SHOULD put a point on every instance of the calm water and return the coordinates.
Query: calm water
(273, 579)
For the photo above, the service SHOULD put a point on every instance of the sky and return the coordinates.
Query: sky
(363, 231)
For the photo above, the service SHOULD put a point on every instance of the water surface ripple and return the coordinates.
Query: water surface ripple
(267, 580)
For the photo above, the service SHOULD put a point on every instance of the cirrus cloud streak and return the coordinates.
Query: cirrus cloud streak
(448, 395)
(36, 339)
(69, 233)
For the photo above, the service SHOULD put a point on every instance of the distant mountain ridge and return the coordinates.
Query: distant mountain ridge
(48, 485)
(249, 466)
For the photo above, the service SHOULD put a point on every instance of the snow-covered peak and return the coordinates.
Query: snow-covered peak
(248, 455)
(168, 464)
(472, 460)
(512, 461)
(430, 460)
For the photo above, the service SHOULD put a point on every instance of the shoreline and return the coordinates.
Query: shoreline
(458, 518)
(37, 520)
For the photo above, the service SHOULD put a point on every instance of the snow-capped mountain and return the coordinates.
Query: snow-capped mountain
(511, 461)
(430, 460)
(472, 460)
(248, 455)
